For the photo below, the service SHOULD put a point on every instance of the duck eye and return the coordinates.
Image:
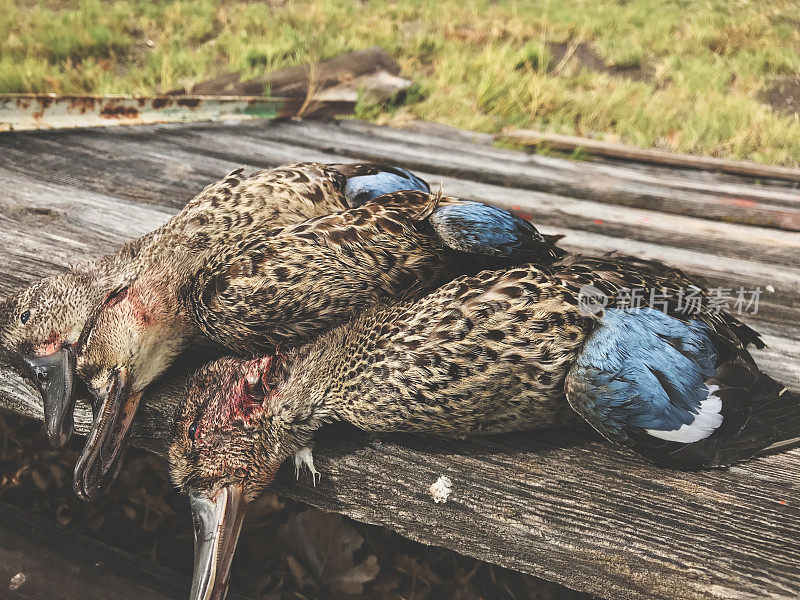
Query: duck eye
(25, 316)
(193, 430)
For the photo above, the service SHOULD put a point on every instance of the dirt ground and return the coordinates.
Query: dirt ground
(145, 516)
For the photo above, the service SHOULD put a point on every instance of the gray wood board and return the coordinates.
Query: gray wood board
(561, 505)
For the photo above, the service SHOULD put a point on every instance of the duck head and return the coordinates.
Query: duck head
(229, 440)
(39, 330)
(133, 337)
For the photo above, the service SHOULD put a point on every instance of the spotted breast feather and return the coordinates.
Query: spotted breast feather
(287, 287)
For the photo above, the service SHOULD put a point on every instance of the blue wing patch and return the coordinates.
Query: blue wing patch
(482, 229)
(360, 190)
(644, 371)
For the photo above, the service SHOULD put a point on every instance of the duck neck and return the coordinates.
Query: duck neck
(305, 392)
(331, 379)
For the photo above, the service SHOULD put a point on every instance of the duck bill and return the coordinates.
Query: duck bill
(54, 376)
(100, 462)
(217, 523)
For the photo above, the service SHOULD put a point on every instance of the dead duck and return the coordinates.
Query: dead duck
(504, 350)
(40, 327)
(275, 288)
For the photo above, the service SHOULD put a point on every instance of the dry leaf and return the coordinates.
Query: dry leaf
(324, 543)
(352, 581)
(298, 572)
(410, 565)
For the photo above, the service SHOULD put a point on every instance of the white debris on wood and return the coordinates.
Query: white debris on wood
(17, 581)
(440, 489)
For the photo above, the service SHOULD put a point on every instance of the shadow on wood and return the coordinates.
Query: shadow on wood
(39, 559)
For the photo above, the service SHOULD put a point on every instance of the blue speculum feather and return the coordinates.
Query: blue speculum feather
(362, 189)
(483, 229)
(465, 226)
(644, 369)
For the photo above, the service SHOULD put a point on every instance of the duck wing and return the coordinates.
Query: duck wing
(473, 228)
(620, 277)
(673, 392)
(293, 285)
(476, 228)
(365, 182)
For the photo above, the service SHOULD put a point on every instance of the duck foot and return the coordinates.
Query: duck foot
(303, 458)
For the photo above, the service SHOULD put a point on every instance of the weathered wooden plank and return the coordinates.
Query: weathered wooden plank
(569, 143)
(673, 173)
(47, 226)
(170, 175)
(479, 162)
(175, 174)
(560, 168)
(20, 112)
(125, 167)
(294, 81)
(561, 505)
(597, 182)
(131, 152)
(706, 198)
(39, 559)
(685, 179)
(576, 511)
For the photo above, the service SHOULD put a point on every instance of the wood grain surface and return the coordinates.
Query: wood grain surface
(570, 143)
(561, 505)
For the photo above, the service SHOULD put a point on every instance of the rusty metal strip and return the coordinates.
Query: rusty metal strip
(48, 111)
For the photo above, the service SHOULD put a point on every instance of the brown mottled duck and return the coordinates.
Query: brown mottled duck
(40, 326)
(274, 287)
(504, 350)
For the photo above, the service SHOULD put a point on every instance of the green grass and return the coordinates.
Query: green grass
(684, 75)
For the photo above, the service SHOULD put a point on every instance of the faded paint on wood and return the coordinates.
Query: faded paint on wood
(20, 112)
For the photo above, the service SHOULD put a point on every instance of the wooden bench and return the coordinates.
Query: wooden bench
(561, 505)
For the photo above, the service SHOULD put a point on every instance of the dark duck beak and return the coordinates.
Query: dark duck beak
(100, 462)
(217, 523)
(54, 376)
